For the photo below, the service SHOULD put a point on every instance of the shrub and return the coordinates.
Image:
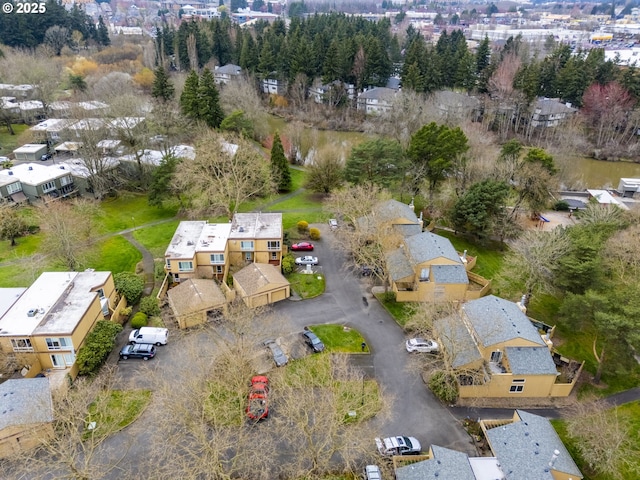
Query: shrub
(288, 264)
(302, 226)
(139, 320)
(561, 206)
(314, 234)
(99, 344)
(389, 296)
(130, 285)
(126, 311)
(149, 306)
(444, 386)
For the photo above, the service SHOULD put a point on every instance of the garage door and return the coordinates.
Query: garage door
(259, 300)
(278, 295)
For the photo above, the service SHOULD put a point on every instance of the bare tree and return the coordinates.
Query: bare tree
(532, 258)
(111, 86)
(303, 141)
(353, 202)
(603, 438)
(622, 253)
(225, 173)
(241, 94)
(57, 38)
(325, 174)
(68, 227)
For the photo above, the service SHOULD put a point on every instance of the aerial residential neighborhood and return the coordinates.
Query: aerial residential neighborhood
(319, 240)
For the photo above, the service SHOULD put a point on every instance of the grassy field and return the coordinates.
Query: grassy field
(307, 285)
(115, 254)
(490, 257)
(156, 238)
(628, 414)
(8, 142)
(119, 409)
(338, 338)
(130, 210)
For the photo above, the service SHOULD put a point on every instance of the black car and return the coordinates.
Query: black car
(139, 350)
(46, 156)
(313, 341)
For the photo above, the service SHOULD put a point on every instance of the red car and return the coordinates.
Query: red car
(302, 247)
(258, 407)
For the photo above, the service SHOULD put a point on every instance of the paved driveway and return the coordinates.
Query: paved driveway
(415, 411)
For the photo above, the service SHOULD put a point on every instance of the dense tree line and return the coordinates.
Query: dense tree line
(28, 31)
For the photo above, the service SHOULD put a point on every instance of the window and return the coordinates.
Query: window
(13, 188)
(21, 345)
(218, 268)
(185, 266)
(168, 263)
(217, 258)
(517, 386)
(424, 275)
(62, 360)
(100, 292)
(248, 245)
(47, 187)
(59, 343)
(273, 245)
(496, 356)
(65, 180)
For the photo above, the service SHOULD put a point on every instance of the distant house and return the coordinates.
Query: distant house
(498, 352)
(332, 93)
(27, 415)
(226, 73)
(51, 129)
(549, 112)
(525, 447)
(274, 86)
(48, 323)
(44, 182)
(261, 284)
(628, 187)
(454, 106)
(604, 197)
(375, 101)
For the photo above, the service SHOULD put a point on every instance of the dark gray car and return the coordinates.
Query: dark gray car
(313, 341)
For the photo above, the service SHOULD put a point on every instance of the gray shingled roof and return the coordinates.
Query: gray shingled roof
(393, 210)
(229, 68)
(445, 465)
(549, 106)
(429, 246)
(526, 448)
(407, 230)
(449, 274)
(456, 341)
(398, 264)
(496, 320)
(530, 361)
(378, 93)
(25, 401)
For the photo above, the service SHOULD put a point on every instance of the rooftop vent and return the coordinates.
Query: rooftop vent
(30, 167)
(32, 312)
(241, 229)
(10, 172)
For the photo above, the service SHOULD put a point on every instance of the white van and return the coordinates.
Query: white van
(152, 335)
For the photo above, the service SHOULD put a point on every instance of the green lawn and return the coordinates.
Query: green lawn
(114, 254)
(307, 285)
(301, 201)
(114, 412)
(130, 210)
(627, 414)
(338, 338)
(8, 142)
(26, 246)
(156, 238)
(290, 219)
(400, 311)
(298, 177)
(490, 257)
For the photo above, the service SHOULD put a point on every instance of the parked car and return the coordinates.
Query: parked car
(144, 351)
(278, 355)
(151, 335)
(307, 260)
(333, 223)
(45, 156)
(4, 159)
(372, 472)
(302, 247)
(421, 345)
(258, 406)
(313, 341)
(399, 445)
(367, 271)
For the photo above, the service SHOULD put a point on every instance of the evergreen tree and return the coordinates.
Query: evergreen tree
(162, 87)
(103, 34)
(189, 97)
(280, 173)
(483, 55)
(209, 109)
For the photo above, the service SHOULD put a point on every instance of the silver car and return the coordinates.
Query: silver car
(421, 345)
(278, 355)
(307, 260)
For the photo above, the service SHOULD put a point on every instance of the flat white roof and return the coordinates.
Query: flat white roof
(59, 300)
(88, 124)
(31, 105)
(68, 147)
(6, 179)
(256, 225)
(77, 167)
(603, 197)
(36, 173)
(9, 296)
(486, 468)
(52, 125)
(30, 148)
(214, 237)
(183, 243)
